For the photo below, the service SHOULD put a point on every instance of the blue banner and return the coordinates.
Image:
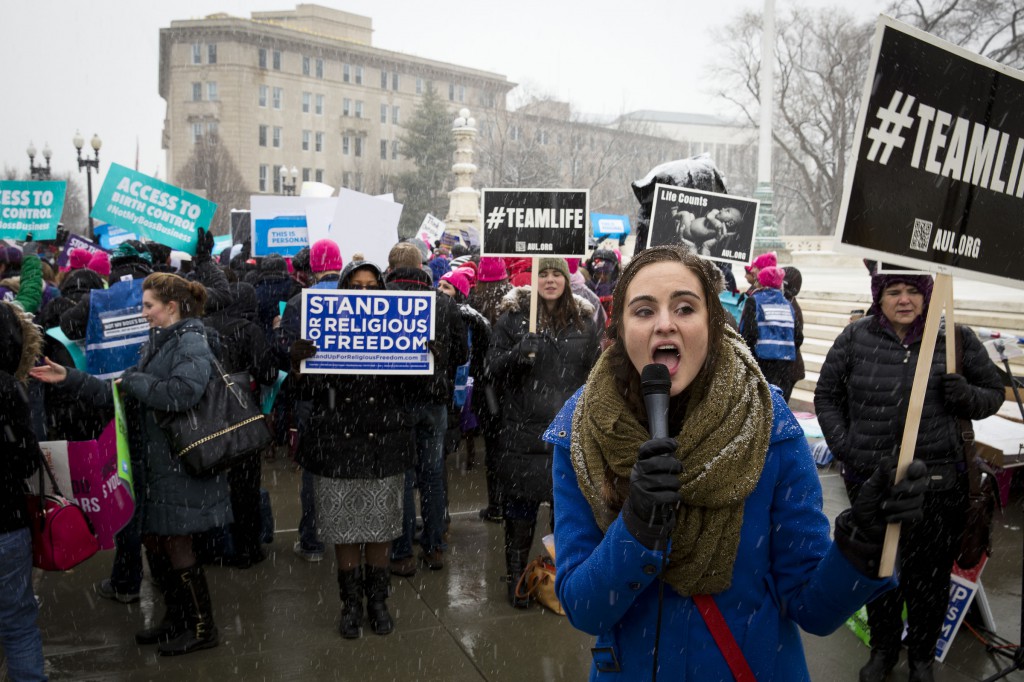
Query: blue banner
(609, 225)
(364, 332)
(284, 235)
(116, 329)
(30, 207)
(112, 235)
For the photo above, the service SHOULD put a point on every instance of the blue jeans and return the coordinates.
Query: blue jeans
(431, 423)
(307, 523)
(19, 635)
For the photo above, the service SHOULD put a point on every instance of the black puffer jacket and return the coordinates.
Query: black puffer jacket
(864, 390)
(535, 392)
(243, 344)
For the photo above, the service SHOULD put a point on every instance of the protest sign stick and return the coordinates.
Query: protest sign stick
(533, 294)
(942, 297)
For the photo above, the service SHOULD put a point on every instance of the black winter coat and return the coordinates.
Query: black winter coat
(19, 453)
(864, 390)
(535, 392)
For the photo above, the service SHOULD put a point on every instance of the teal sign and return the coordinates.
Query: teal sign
(153, 209)
(30, 207)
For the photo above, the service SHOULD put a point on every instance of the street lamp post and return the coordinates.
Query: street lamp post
(286, 188)
(90, 166)
(39, 172)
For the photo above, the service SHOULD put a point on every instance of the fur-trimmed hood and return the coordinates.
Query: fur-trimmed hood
(21, 341)
(518, 300)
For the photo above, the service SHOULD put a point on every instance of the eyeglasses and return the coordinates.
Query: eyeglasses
(363, 286)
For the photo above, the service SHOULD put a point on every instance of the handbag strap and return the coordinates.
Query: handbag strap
(53, 481)
(966, 426)
(720, 632)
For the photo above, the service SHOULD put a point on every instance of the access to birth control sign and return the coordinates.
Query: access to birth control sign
(938, 168)
(30, 207)
(368, 332)
(535, 222)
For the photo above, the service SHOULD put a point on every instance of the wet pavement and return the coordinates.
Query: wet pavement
(278, 620)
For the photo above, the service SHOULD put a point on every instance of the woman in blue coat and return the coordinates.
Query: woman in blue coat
(727, 510)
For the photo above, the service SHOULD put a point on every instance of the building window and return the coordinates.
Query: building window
(383, 113)
(359, 182)
(197, 53)
(345, 141)
(359, 75)
(305, 174)
(394, 80)
(319, 68)
(358, 150)
(487, 99)
(211, 91)
(305, 65)
(419, 86)
(197, 92)
(211, 53)
(277, 137)
(394, 114)
(542, 137)
(359, 108)
(346, 179)
(278, 93)
(264, 94)
(263, 136)
(514, 133)
(320, 142)
(306, 98)
(394, 150)
(384, 150)
(319, 175)
(263, 57)
(346, 73)
(456, 93)
(277, 60)
(306, 135)
(212, 128)
(263, 177)
(383, 79)
(460, 93)
(451, 92)
(197, 132)
(319, 105)
(277, 179)
(346, 107)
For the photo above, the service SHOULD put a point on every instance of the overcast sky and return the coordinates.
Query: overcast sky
(94, 65)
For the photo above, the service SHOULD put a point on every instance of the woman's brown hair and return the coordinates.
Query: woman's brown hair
(167, 287)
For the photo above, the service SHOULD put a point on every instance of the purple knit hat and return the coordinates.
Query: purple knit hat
(881, 282)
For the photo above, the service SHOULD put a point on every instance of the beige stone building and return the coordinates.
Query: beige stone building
(302, 88)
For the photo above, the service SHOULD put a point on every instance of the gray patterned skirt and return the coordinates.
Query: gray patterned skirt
(352, 511)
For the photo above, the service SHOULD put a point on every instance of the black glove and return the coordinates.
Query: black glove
(301, 349)
(650, 509)
(204, 247)
(880, 503)
(956, 393)
(528, 347)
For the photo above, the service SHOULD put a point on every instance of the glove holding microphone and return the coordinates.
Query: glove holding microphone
(650, 509)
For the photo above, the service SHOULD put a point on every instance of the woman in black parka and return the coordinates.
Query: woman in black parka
(171, 376)
(357, 442)
(539, 372)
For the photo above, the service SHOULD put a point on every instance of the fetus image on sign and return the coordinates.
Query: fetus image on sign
(710, 234)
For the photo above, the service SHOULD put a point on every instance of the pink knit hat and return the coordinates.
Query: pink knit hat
(324, 256)
(457, 280)
(771, 277)
(491, 270)
(765, 260)
(100, 263)
(79, 258)
(467, 272)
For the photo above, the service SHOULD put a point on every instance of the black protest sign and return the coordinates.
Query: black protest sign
(937, 183)
(535, 222)
(717, 226)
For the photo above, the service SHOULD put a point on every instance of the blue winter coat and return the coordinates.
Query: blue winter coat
(787, 573)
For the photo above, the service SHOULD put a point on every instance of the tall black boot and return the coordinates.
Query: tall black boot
(921, 669)
(173, 622)
(377, 585)
(879, 666)
(518, 540)
(201, 632)
(350, 587)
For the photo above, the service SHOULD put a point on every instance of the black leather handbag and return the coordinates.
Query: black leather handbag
(222, 429)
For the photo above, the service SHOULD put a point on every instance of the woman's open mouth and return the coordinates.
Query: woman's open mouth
(667, 354)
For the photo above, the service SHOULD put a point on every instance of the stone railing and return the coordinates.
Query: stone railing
(808, 242)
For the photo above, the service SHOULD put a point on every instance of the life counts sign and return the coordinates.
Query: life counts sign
(535, 222)
(937, 183)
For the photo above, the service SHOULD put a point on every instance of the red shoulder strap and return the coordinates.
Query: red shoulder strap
(720, 632)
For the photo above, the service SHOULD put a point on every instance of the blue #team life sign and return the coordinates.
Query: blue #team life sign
(368, 332)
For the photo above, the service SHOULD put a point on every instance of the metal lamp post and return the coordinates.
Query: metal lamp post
(90, 166)
(39, 172)
(286, 188)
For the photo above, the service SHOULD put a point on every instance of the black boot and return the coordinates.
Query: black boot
(201, 632)
(377, 585)
(350, 587)
(921, 670)
(173, 622)
(879, 666)
(518, 540)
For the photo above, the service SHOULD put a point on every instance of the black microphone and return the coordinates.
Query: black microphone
(655, 383)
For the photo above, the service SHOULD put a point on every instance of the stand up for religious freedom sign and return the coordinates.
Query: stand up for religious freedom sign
(535, 222)
(368, 332)
(937, 182)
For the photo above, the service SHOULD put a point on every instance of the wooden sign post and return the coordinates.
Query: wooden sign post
(534, 277)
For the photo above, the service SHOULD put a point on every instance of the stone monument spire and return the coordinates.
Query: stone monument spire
(464, 201)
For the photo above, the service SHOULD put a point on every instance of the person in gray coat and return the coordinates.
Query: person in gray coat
(171, 376)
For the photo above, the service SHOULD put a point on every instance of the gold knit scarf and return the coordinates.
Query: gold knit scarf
(722, 445)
